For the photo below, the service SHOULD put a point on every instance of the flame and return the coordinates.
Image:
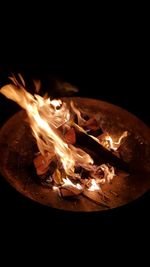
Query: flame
(81, 121)
(68, 183)
(94, 186)
(109, 173)
(108, 141)
(56, 189)
(114, 145)
(45, 117)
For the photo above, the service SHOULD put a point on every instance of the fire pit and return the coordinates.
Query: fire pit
(128, 160)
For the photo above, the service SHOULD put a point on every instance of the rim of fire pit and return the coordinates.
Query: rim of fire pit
(17, 147)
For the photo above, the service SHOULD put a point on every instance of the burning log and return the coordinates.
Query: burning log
(100, 153)
(55, 130)
(128, 189)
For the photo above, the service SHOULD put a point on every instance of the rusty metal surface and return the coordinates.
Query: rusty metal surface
(17, 148)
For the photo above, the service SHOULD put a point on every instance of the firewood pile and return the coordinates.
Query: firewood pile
(86, 182)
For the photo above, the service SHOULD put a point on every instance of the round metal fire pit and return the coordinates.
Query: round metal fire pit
(17, 149)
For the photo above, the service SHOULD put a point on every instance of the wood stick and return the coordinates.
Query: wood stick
(94, 196)
(100, 153)
(68, 190)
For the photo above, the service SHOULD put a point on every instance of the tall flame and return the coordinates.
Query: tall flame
(45, 117)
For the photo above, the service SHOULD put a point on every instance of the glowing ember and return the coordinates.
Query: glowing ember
(50, 120)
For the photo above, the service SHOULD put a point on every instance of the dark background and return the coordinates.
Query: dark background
(112, 67)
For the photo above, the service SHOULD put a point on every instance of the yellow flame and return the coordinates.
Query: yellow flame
(111, 144)
(81, 121)
(109, 173)
(68, 183)
(114, 145)
(45, 118)
(94, 186)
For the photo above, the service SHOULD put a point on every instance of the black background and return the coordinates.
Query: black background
(110, 66)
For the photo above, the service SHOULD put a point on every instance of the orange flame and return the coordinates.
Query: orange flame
(45, 118)
(107, 141)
